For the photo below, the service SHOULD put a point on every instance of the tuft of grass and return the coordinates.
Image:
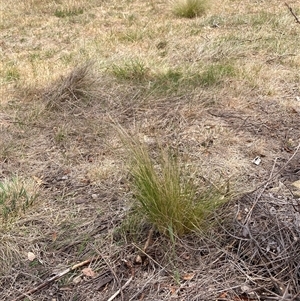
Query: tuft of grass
(134, 70)
(60, 135)
(166, 194)
(80, 85)
(190, 8)
(16, 196)
(12, 74)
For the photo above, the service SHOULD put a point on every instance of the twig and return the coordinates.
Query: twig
(294, 15)
(55, 277)
(141, 250)
(114, 274)
(121, 289)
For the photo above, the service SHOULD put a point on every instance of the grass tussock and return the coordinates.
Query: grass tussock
(190, 8)
(79, 86)
(16, 195)
(167, 194)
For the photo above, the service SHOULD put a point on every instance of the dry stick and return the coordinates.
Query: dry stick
(294, 15)
(114, 274)
(141, 250)
(55, 277)
(121, 289)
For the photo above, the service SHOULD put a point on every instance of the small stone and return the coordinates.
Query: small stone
(94, 196)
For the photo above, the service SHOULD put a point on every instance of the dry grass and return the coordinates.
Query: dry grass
(219, 89)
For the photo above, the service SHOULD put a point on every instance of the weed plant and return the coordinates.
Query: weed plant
(167, 194)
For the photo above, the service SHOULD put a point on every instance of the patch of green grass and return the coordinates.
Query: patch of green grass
(215, 73)
(174, 81)
(12, 74)
(60, 135)
(16, 196)
(134, 70)
(70, 12)
(190, 8)
(168, 81)
(263, 18)
(166, 194)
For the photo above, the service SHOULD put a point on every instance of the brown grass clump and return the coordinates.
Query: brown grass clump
(74, 90)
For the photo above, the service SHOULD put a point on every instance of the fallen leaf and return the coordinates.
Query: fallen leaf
(88, 272)
(172, 290)
(31, 256)
(222, 296)
(188, 276)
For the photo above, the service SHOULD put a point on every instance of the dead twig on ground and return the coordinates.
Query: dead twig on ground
(292, 12)
(114, 274)
(55, 277)
(120, 290)
(142, 251)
